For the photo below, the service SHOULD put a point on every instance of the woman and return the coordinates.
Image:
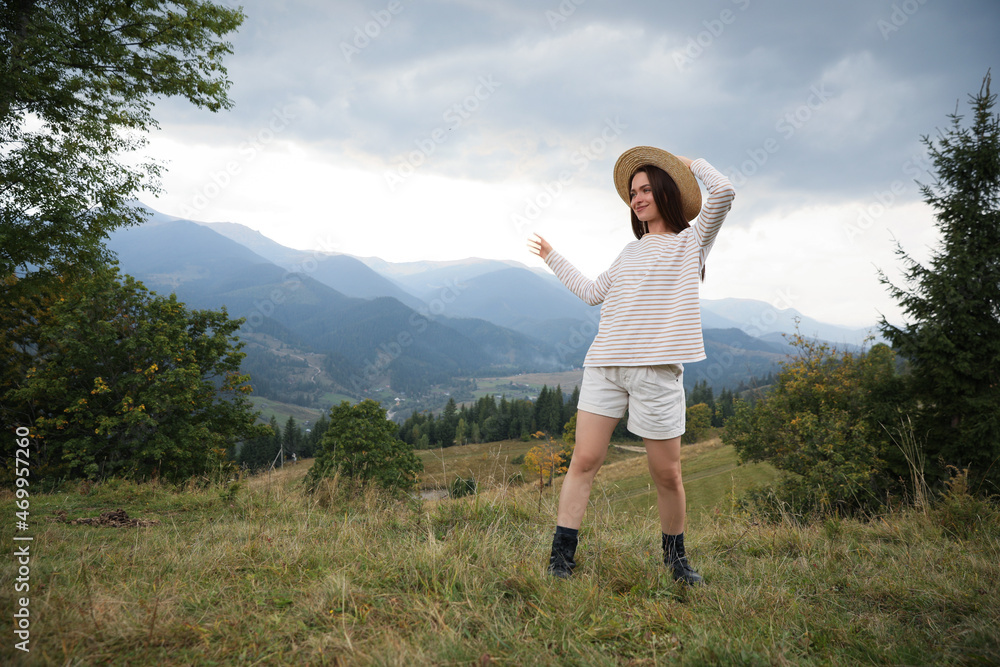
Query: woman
(650, 326)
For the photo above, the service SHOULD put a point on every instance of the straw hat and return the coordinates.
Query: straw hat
(636, 157)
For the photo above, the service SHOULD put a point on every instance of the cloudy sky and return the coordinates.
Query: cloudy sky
(457, 128)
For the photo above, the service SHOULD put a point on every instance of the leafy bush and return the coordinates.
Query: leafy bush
(360, 445)
(460, 487)
(116, 380)
(698, 421)
(825, 420)
(960, 513)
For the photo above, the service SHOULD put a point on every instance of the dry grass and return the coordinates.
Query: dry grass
(490, 464)
(270, 575)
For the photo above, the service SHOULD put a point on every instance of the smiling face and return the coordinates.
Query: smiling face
(641, 199)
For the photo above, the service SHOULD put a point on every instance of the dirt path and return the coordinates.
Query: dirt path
(316, 369)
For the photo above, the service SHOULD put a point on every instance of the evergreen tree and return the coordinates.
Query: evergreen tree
(702, 393)
(361, 445)
(259, 452)
(547, 411)
(952, 304)
(444, 431)
(504, 422)
(491, 430)
(724, 408)
(291, 437)
(556, 422)
(311, 442)
(569, 407)
(273, 443)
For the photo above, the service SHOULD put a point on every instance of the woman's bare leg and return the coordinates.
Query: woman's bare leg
(593, 435)
(664, 457)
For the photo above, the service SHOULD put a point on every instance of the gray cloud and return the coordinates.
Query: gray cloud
(804, 101)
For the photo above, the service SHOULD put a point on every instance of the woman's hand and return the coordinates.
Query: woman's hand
(539, 246)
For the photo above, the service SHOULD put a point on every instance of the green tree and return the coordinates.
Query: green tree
(548, 410)
(569, 407)
(116, 380)
(291, 437)
(361, 445)
(698, 420)
(702, 393)
(828, 419)
(311, 442)
(444, 429)
(78, 81)
(258, 452)
(569, 430)
(546, 459)
(952, 304)
(724, 408)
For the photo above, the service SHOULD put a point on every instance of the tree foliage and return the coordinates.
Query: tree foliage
(116, 380)
(546, 460)
(952, 303)
(258, 452)
(360, 445)
(490, 420)
(78, 81)
(569, 431)
(698, 421)
(829, 419)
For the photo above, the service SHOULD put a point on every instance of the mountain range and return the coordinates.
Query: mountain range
(414, 324)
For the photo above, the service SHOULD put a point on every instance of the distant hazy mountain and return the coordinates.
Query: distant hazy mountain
(712, 320)
(733, 357)
(738, 340)
(260, 244)
(492, 290)
(521, 300)
(457, 317)
(344, 273)
(352, 277)
(759, 318)
(364, 339)
(169, 253)
(426, 280)
(456, 268)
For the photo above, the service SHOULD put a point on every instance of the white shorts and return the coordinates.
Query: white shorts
(654, 396)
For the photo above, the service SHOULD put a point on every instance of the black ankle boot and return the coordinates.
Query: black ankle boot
(561, 561)
(675, 559)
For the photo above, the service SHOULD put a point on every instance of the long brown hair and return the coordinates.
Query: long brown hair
(667, 197)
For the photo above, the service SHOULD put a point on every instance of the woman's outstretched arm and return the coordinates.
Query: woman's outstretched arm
(592, 292)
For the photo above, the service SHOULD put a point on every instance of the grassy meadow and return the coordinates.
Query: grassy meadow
(258, 572)
(282, 411)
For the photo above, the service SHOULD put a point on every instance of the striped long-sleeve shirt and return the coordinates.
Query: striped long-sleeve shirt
(651, 312)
